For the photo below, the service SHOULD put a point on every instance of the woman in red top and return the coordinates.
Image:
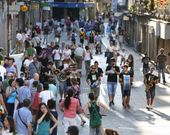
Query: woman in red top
(70, 106)
(36, 98)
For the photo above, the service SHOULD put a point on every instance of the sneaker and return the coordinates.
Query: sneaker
(164, 82)
(113, 103)
(110, 104)
(148, 108)
(82, 123)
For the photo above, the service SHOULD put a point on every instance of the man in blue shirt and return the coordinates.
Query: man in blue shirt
(23, 119)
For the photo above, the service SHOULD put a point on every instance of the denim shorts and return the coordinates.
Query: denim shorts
(111, 86)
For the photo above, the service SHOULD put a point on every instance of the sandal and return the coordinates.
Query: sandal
(82, 123)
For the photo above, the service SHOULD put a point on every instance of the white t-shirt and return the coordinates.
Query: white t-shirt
(67, 53)
(27, 62)
(56, 54)
(46, 95)
(2, 72)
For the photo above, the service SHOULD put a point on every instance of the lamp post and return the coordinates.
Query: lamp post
(8, 40)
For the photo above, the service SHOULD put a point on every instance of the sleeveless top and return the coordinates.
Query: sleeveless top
(12, 96)
(44, 128)
(87, 56)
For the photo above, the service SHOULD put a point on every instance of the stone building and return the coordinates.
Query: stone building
(149, 26)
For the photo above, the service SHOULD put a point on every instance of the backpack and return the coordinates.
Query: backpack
(95, 118)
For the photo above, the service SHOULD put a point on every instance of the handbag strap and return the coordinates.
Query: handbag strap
(35, 67)
(22, 120)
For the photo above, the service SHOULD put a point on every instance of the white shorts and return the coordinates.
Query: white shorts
(68, 122)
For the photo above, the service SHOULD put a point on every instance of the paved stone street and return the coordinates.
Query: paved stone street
(137, 120)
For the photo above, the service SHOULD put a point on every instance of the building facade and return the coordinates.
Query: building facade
(150, 26)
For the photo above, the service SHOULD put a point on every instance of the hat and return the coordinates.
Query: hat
(73, 130)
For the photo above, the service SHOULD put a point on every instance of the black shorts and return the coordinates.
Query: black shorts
(126, 93)
(150, 94)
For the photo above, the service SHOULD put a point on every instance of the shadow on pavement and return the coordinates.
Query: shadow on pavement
(160, 114)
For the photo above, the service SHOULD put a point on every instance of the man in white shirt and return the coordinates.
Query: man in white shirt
(79, 56)
(28, 61)
(2, 72)
(57, 56)
(45, 95)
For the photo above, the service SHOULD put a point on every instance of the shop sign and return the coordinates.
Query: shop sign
(35, 6)
(47, 8)
(14, 9)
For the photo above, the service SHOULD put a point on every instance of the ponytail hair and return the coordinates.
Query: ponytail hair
(67, 100)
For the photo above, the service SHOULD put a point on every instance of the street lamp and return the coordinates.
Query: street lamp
(8, 40)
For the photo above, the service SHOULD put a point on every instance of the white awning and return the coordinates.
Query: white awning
(165, 30)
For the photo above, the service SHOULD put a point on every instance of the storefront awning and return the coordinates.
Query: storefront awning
(72, 4)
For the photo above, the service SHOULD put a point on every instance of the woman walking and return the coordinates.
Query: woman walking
(70, 106)
(87, 58)
(11, 95)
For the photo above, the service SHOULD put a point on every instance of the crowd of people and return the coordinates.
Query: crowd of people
(28, 100)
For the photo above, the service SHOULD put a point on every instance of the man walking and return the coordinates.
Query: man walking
(34, 67)
(93, 80)
(23, 119)
(161, 59)
(150, 82)
(112, 71)
(125, 79)
(79, 56)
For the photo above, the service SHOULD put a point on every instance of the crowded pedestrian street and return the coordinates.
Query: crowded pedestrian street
(78, 71)
(137, 120)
